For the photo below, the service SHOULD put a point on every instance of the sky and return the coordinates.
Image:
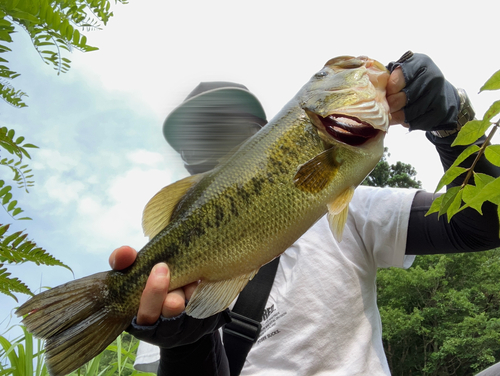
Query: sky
(102, 154)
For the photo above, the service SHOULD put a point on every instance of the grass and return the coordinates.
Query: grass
(24, 357)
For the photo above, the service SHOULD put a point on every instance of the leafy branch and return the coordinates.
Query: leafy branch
(485, 188)
(54, 26)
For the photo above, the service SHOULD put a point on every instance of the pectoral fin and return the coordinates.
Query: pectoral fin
(337, 212)
(210, 298)
(315, 174)
(159, 209)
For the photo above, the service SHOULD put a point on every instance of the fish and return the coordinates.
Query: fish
(220, 227)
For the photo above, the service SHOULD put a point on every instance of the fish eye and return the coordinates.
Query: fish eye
(321, 74)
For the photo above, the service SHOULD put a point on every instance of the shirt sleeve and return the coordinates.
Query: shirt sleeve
(381, 218)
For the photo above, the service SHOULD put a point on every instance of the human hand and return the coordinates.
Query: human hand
(155, 300)
(396, 97)
(173, 328)
(419, 96)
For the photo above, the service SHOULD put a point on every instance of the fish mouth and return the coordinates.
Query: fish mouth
(347, 129)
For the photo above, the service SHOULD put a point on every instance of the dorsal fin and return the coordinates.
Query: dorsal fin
(337, 212)
(159, 209)
(315, 174)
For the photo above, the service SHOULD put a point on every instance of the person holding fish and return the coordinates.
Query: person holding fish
(419, 98)
(257, 199)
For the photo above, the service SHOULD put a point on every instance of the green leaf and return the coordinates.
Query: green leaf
(436, 205)
(3, 229)
(455, 205)
(492, 153)
(469, 194)
(6, 198)
(448, 199)
(493, 82)
(470, 132)
(4, 190)
(465, 154)
(69, 33)
(492, 111)
(76, 37)
(490, 192)
(8, 285)
(5, 36)
(12, 205)
(19, 240)
(10, 238)
(482, 179)
(449, 176)
(23, 16)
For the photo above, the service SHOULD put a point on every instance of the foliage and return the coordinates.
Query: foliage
(442, 316)
(16, 248)
(24, 357)
(54, 27)
(485, 188)
(117, 359)
(400, 175)
(22, 173)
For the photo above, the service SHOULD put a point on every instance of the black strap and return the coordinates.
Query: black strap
(244, 329)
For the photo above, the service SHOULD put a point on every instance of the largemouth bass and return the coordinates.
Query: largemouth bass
(220, 227)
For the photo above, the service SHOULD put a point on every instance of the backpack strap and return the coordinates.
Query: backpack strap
(244, 329)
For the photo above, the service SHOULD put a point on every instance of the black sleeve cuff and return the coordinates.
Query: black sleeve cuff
(178, 331)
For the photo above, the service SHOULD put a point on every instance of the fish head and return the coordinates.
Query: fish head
(346, 101)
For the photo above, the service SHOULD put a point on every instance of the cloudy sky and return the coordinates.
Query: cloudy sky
(102, 154)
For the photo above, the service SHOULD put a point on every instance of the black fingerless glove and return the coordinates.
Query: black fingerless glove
(178, 331)
(432, 102)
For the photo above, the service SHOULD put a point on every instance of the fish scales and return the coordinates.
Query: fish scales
(220, 227)
(222, 245)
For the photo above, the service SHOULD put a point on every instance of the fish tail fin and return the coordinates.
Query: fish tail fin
(76, 321)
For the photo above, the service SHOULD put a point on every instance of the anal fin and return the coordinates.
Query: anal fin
(210, 298)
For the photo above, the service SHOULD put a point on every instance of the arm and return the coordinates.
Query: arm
(188, 346)
(420, 98)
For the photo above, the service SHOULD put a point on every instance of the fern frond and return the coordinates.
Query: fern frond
(10, 285)
(17, 249)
